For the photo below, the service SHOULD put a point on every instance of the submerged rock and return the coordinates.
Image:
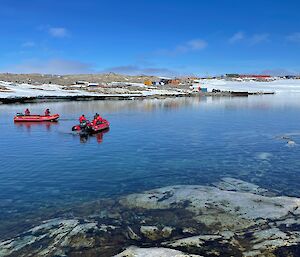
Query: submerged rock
(232, 184)
(291, 143)
(232, 218)
(264, 156)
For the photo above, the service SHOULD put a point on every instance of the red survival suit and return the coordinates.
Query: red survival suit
(82, 119)
(47, 112)
(27, 112)
(97, 120)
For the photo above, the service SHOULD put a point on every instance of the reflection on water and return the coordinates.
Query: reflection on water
(151, 143)
(84, 138)
(28, 125)
(255, 102)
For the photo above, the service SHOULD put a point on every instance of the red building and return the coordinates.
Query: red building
(255, 76)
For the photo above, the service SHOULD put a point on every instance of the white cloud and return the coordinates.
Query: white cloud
(52, 66)
(28, 44)
(237, 37)
(189, 46)
(196, 44)
(192, 45)
(259, 38)
(249, 39)
(58, 32)
(295, 37)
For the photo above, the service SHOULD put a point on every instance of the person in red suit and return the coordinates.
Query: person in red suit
(27, 112)
(97, 119)
(47, 112)
(82, 118)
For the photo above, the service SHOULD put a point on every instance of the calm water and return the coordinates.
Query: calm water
(151, 143)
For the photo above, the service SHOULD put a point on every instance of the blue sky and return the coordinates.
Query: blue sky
(162, 37)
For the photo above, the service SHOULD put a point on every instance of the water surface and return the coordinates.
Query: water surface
(151, 143)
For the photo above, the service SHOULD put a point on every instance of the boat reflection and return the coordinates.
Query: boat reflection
(29, 125)
(84, 138)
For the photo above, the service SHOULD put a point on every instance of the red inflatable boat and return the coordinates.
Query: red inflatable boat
(100, 127)
(89, 128)
(35, 118)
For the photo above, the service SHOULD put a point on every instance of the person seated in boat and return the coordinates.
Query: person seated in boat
(47, 112)
(95, 121)
(98, 118)
(82, 119)
(27, 112)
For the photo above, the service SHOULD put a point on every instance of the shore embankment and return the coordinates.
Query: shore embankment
(37, 99)
(35, 91)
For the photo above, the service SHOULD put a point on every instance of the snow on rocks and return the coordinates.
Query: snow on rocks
(14, 90)
(25, 90)
(278, 86)
(28, 90)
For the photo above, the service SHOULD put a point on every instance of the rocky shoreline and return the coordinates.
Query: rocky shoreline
(38, 99)
(229, 218)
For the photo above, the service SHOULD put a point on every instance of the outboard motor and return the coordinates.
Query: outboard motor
(83, 125)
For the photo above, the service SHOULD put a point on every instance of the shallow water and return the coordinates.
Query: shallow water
(151, 143)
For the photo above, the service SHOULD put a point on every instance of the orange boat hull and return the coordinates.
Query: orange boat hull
(36, 118)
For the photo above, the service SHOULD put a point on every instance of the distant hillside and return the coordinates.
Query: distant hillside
(71, 79)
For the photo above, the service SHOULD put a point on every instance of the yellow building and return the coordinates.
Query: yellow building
(148, 83)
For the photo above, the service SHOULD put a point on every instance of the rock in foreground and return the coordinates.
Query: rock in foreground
(232, 218)
(150, 252)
